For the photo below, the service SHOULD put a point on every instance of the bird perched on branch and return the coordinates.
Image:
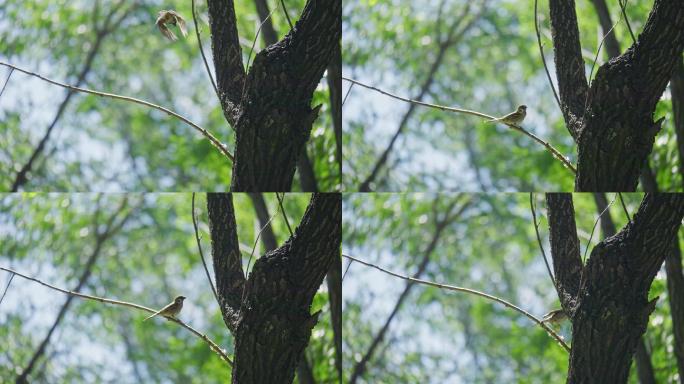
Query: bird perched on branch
(513, 118)
(171, 310)
(171, 17)
(555, 317)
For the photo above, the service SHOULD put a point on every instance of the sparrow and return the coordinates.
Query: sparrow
(171, 17)
(171, 310)
(555, 317)
(513, 118)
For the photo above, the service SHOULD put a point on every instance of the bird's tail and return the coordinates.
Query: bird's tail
(151, 316)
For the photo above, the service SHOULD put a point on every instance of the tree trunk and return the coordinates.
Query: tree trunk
(269, 313)
(612, 120)
(610, 308)
(269, 106)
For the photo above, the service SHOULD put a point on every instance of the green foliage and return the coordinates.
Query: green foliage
(103, 144)
(440, 336)
(491, 67)
(150, 260)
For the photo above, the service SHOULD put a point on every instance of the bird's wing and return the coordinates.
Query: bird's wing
(166, 32)
(182, 26)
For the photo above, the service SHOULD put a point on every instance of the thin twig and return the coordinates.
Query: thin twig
(584, 257)
(624, 207)
(199, 246)
(7, 287)
(550, 331)
(212, 345)
(220, 146)
(347, 94)
(256, 241)
(554, 152)
(280, 203)
(541, 51)
(287, 16)
(201, 48)
(6, 81)
(347, 269)
(541, 247)
(623, 5)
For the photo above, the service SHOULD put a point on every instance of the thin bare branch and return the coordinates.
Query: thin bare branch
(199, 246)
(201, 48)
(214, 141)
(554, 152)
(536, 230)
(212, 345)
(447, 287)
(541, 52)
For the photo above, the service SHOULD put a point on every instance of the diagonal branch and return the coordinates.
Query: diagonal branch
(447, 287)
(565, 248)
(441, 224)
(456, 32)
(212, 345)
(100, 239)
(225, 252)
(213, 140)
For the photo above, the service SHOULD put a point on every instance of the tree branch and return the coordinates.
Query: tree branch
(565, 248)
(275, 321)
(225, 45)
(225, 251)
(572, 83)
(212, 345)
(213, 140)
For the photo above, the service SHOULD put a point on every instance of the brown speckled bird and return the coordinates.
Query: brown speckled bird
(171, 310)
(513, 118)
(171, 17)
(555, 317)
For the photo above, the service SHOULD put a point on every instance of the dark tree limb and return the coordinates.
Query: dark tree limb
(611, 44)
(612, 309)
(275, 323)
(642, 357)
(565, 248)
(307, 176)
(225, 45)
(612, 122)
(270, 107)
(334, 279)
(225, 251)
(268, 237)
(677, 91)
(572, 82)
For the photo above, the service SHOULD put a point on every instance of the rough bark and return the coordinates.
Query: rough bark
(225, 252)
(565, 247)
(270, 106)
(612, 122)
(611, 307)
(642, 357)
(271, 319)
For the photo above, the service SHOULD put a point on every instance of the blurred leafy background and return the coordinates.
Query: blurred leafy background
(490, 63)
(101, 144)
(150, 260)
(488, 243)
